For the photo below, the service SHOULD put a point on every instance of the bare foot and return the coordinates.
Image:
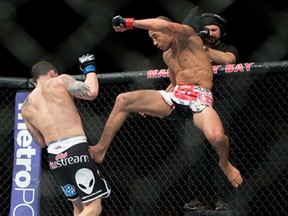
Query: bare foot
(98, 153)
(232, 174)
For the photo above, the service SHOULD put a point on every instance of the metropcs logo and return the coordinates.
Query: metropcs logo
(23, 192)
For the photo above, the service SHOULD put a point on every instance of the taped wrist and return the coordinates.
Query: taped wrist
(89, 69)
(129, 23)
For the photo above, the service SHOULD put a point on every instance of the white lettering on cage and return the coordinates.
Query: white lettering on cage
(23, 164)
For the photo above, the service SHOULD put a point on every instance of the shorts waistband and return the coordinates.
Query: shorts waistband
(190, 87)
(74, 139)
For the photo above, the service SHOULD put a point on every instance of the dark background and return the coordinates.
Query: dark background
(61, 31)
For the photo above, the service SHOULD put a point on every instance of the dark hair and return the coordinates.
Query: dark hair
(214, 19)
(41, 68)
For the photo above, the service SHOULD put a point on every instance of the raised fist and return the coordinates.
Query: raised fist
(87, 63)
(121, 24)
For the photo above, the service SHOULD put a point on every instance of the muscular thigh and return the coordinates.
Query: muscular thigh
(147, 101)
(208, 120)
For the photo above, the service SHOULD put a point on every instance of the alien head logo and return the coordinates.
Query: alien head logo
(85, 180)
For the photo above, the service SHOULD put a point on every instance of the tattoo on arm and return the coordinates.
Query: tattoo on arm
(76, 88)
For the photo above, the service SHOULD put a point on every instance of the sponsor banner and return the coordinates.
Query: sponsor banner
(25, 194)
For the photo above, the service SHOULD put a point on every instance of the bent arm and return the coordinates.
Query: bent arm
(172, 85)
(92, 81)
(221, 57)
(36, 135)
(87, 90)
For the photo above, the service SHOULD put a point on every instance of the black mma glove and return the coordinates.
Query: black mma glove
(87, 63)
(122, 23)
(204, 33)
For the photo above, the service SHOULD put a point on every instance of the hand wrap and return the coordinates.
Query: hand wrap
(87, 63)
(125, 23)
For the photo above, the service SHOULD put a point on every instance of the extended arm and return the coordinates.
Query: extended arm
(160, 24)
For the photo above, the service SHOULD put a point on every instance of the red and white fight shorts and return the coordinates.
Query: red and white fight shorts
(195, 97)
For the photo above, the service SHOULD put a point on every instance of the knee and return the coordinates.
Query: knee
(217, 137)
(122, 100)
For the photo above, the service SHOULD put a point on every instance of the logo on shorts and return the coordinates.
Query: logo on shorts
(68, 190)
(61, 155)
(62, 160)
(85, 180)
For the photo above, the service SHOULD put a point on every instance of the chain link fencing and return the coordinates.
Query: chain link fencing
(156, 165)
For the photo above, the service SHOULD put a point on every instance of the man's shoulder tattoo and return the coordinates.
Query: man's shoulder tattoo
(76, 88)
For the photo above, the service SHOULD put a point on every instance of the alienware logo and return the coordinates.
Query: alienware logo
(85, 180)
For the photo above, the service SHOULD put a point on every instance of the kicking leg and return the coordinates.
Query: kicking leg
(146, 101)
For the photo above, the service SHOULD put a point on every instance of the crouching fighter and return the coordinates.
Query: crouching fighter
(53, 121)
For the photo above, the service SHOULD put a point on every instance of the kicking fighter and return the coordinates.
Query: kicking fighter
(189, 93)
